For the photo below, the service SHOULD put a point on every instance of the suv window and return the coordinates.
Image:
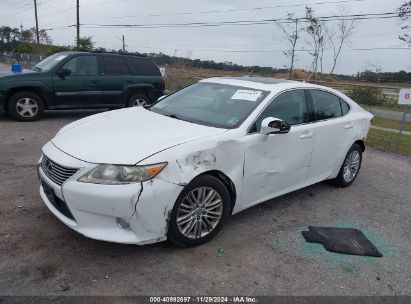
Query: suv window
(290, 106)
(144, 67)
(82, 66)
(326, 105)
(115, 65)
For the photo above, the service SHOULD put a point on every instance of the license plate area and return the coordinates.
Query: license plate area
(58, 203)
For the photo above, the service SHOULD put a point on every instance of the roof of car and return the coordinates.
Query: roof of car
(262, 83)
(264, 80)
(104, 53)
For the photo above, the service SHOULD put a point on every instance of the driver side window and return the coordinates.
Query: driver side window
(82, 66)
(290, 106)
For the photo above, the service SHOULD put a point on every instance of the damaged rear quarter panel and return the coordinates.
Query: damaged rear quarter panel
(224, 153)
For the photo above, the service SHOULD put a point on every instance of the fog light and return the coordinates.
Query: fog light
(122, 223)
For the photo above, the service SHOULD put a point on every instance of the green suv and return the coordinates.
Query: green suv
(79, 80)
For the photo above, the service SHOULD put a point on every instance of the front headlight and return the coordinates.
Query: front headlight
(118, 175)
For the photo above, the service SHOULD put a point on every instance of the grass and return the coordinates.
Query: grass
(391, 124)
(388, 106)
(385, 140)
(179, 75)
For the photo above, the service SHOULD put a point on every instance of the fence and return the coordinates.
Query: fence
(26, 60)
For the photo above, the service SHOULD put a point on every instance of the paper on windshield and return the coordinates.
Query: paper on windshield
(250, 95)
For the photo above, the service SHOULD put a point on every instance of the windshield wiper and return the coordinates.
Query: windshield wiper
(174, 116)
(36, 68)
(177, 117)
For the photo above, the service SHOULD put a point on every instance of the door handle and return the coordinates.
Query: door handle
(349, 126)
(94, 81)
(307, 135)
(131, 81)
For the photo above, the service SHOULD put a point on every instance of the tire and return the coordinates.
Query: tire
(138, 100)
(25, 106)
(354, 155)
(180, 211)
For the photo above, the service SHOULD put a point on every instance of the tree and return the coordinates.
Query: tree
(404, 12)
(339, 35)
(85, 44)
(315, 30)
(29, 36)
(291, 32)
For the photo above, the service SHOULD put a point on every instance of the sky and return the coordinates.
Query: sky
(237, 44)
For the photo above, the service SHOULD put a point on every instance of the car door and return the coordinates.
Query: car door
(278, 163)
(116, 76)
(334, 133)
(82, 87)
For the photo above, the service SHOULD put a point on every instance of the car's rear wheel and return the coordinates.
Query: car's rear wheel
(199, 212)
(138, 100)
(350, 167)
(25, 106)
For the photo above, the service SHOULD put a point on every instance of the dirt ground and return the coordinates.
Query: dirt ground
(264, 251)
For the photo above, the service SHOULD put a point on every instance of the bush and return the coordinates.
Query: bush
(368, 96)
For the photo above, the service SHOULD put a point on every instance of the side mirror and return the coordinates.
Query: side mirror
(271, 125)
(63, 72)
(162, 97)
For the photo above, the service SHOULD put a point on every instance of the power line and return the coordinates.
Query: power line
(302, 50)
(234, 10)
(249, 22)
(259, 50)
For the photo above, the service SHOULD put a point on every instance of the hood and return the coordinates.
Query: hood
(126, 136)
(10, 73)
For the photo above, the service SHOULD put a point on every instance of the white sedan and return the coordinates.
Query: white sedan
(178, 169)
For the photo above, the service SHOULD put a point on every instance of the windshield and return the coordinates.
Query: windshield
(211, 104)
(49, 62)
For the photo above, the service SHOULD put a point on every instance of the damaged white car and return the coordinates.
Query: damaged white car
(178, 169)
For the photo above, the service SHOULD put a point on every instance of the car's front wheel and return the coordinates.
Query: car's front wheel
(199, 212)
(138, 100)
(25, 106)
(350, 167)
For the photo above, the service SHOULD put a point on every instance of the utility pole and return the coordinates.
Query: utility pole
(37, 22)
(124, 45)
(78, 23)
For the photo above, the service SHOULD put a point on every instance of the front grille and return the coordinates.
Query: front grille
(57, 173)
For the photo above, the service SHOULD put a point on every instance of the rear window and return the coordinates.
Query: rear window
(326, 105)
(344, 107)
(114, 65)
(144, 67)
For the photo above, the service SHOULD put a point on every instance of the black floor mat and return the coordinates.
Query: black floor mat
(341, 240)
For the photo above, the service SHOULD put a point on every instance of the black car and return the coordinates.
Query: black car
(77, 80)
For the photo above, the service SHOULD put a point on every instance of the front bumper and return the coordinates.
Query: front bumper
(96, 209)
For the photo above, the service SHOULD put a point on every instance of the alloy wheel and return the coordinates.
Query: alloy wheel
(199, 212)
(139, 102)
(27, 107)
(351, 166)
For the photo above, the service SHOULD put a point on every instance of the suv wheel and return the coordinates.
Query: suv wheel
(138, 100)
(25, 106)
(199, 212)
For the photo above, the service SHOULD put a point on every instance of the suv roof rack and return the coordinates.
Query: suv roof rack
(118, 53)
